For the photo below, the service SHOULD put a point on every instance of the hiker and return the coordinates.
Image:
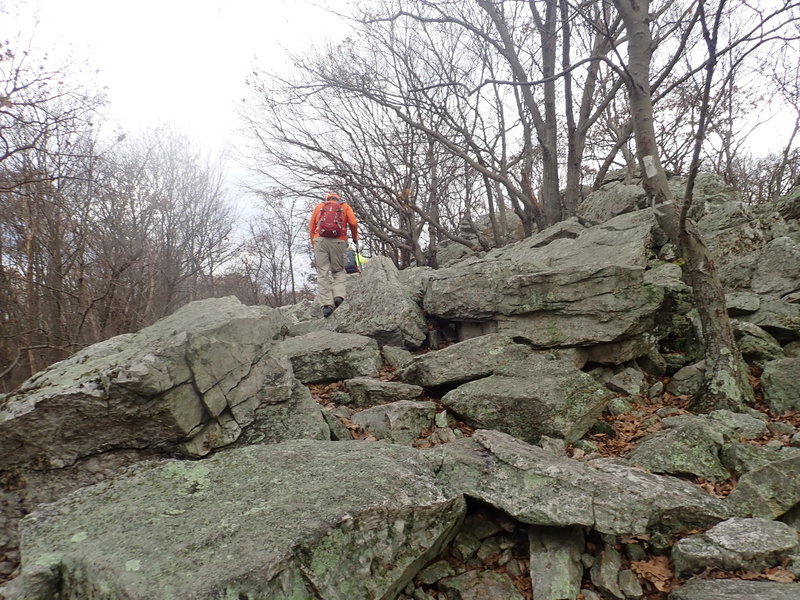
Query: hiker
(354, 261)
(328, 227)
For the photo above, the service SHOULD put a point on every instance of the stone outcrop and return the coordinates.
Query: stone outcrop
(749, 544)
(735, 589)
(207, 366)
(266, 521)
(322, 356)
(539, 488)
(193, 459)
(379, 306)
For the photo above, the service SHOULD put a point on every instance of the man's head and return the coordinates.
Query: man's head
(332, 198)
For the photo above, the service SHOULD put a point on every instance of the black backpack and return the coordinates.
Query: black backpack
(331, 220)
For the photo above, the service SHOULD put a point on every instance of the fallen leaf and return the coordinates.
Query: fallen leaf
(655, 570)
(780, 575)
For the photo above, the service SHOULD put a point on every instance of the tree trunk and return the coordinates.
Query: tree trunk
(726, 383)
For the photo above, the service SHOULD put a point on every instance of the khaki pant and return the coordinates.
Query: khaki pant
(331, 276)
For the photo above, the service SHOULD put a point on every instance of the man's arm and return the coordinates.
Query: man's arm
(312, 224)
(352, 222)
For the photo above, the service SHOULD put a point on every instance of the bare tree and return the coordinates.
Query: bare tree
(725, 383)
(270, 258)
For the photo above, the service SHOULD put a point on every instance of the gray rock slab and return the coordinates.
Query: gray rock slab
(742, 303)
(751, 544)
(400, 422)
(559, 401)
(344, 519)
(299, 418)
(323, 356)
(769, 491)
(624, 240)
(778, 318)
(578, 306)
(155, 388)
(686, 446)
(396, 357)
(741, 458)
(539, 488)
(611, 200)
(480, 357)
(366, 392)
(735, 589)
(780, 382)
(379, 306)
(605, 571)
(628, 381)
(756, 345)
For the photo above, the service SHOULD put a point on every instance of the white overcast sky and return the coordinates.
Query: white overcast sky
(173, 61)
(182, 61)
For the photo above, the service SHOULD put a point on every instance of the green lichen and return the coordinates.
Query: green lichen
(49, 559)
(533, 481)
(133, 565)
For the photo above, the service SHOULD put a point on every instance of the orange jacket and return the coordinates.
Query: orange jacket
(349, 219)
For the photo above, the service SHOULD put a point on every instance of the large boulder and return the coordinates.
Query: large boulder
(748, 544)
(688, 445)
(781, 385)
(573, 291)
(207, 366)
(322, 356)
(768, 491)
(755, 248)
(778, 318)
(294, 520)
(365, 392)
(557, 400)
(379, 306)
(556, 567)
(612, 199)
(627, 240)
(479, 233)
(539, 488)
(401, 422)
(492, 354)
(735, 589)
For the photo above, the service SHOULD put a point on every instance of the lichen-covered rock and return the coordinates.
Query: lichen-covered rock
(741, 458)
(556, 567)
(208, 363)
(735, 589)
(492, 354)
(323, 356)
(688, 381)
(750, 544)
(401, 421)
(366, 392)
(611, 200)
(558, 401)
(769, 491)
(605, 571)
(756, 345)
(379, 306)
(579, 306)
(778, 318)
(781, 384)
(480, 585)
(344, 519)
(539, 488)
(687, 445)
(299, 418)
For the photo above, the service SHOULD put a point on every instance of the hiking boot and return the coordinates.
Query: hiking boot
(327, 311)
(337, 300)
